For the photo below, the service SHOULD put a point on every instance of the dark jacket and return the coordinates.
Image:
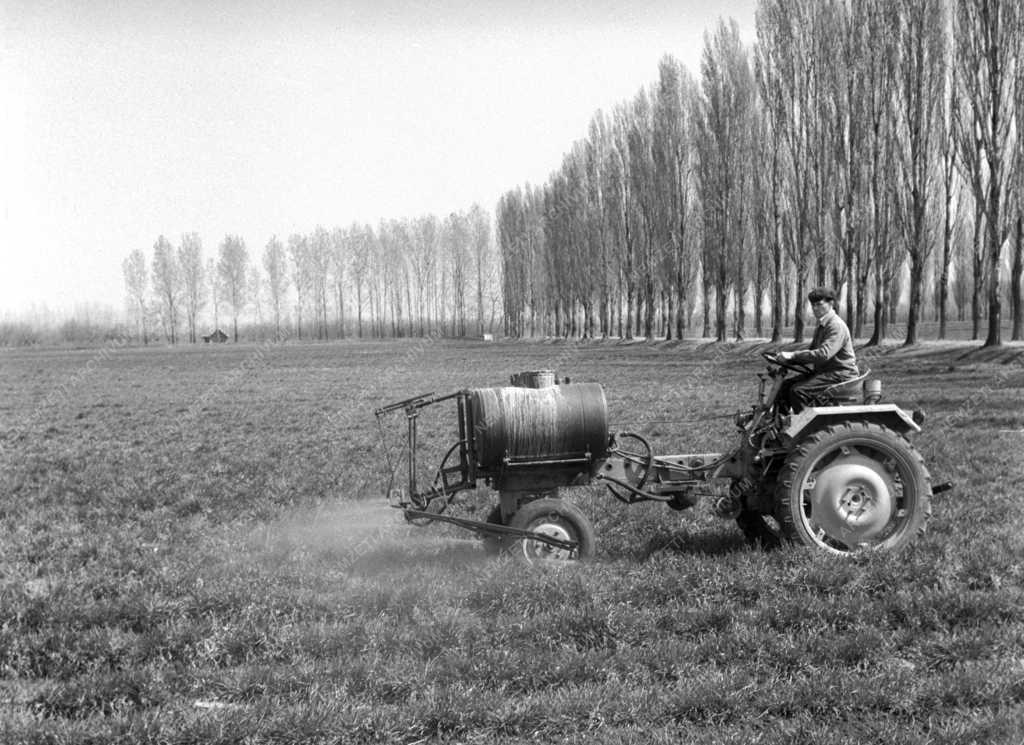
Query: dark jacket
(831, 349)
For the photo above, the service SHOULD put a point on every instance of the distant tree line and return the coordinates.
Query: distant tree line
(867, 144)
(409, 277)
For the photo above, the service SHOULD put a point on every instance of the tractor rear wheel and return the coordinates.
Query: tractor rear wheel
(555, 518)
(854, 486)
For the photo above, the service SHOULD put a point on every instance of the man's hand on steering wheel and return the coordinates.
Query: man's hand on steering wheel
(785, 360)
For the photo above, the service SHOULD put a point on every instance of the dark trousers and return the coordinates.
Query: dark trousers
(804, 390)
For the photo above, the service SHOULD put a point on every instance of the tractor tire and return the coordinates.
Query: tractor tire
(558, 519)
(851, 487)
(493, 543)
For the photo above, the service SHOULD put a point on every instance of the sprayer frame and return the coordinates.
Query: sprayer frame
(514, 478)
(670, 479)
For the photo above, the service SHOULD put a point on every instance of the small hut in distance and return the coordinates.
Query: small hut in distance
(217, 337)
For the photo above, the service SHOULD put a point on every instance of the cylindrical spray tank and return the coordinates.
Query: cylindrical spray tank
(556, 422)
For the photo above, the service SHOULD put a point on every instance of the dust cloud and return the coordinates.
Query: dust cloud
(360, 538)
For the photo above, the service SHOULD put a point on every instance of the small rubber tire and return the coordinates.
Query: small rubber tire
(554, 517)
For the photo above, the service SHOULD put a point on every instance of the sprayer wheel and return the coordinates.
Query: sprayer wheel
(558, 519)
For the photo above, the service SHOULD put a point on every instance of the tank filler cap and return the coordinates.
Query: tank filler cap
(533, 379)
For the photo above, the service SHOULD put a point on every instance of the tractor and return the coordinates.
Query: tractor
(839, 475)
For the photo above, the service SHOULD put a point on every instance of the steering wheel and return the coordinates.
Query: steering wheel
(797, 367)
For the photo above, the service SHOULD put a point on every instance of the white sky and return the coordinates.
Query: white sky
(124, 120)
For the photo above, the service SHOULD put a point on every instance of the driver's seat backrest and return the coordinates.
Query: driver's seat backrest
(845, 392)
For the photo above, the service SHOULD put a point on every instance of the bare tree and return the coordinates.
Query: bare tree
(255, 282)
(340, 245)
(514, 246)
(481, 252)
(917, 109)
(643, 207)
(599, 234)
(393, 278)
(456, 234)
(275, 266)
(215, 290)
(1017, 265)
(298, 252)
(379, 273)
(770, 205)
(951, 197)
(320, 267)
(359, 266)
(167, 284)
(190, 259)
(673, 167)
(620, 199)
(785, 31)
(232, 269)
(561, 244)
(988, 34)
(423, 258)
(1016, 273)
(136, 282)
(724, 148)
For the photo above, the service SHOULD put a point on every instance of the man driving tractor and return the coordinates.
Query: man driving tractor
(830, 357)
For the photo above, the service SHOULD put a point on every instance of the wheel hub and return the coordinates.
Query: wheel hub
(545, 551)
(852, 499)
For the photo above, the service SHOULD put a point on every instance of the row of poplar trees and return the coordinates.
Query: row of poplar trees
(855, 141)
(405, 277)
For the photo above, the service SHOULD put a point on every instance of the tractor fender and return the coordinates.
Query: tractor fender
(888, 415)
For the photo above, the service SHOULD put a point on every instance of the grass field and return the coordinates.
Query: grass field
(195, 547)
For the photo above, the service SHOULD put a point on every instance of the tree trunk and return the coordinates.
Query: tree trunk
(739, 311)
(778, 304)
(629, 312)
(706, 297)
(798, 306)
(341, 311)
(947, 247)
(1015, 283)
(916, 282)
(649, 310)
(881, 303)
(759, 280)
(721, 301)
(995, 248)
(978, 266)
(669, 313)
(894, 297)
(680, 318)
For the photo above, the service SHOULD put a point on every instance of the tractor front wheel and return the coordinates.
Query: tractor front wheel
(854, 486)
(555, 518)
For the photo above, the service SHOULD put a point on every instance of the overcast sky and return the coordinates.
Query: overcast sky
(125, 120)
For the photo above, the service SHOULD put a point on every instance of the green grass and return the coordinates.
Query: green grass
(194, 547)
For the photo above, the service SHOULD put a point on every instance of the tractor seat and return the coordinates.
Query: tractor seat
(844, 393)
